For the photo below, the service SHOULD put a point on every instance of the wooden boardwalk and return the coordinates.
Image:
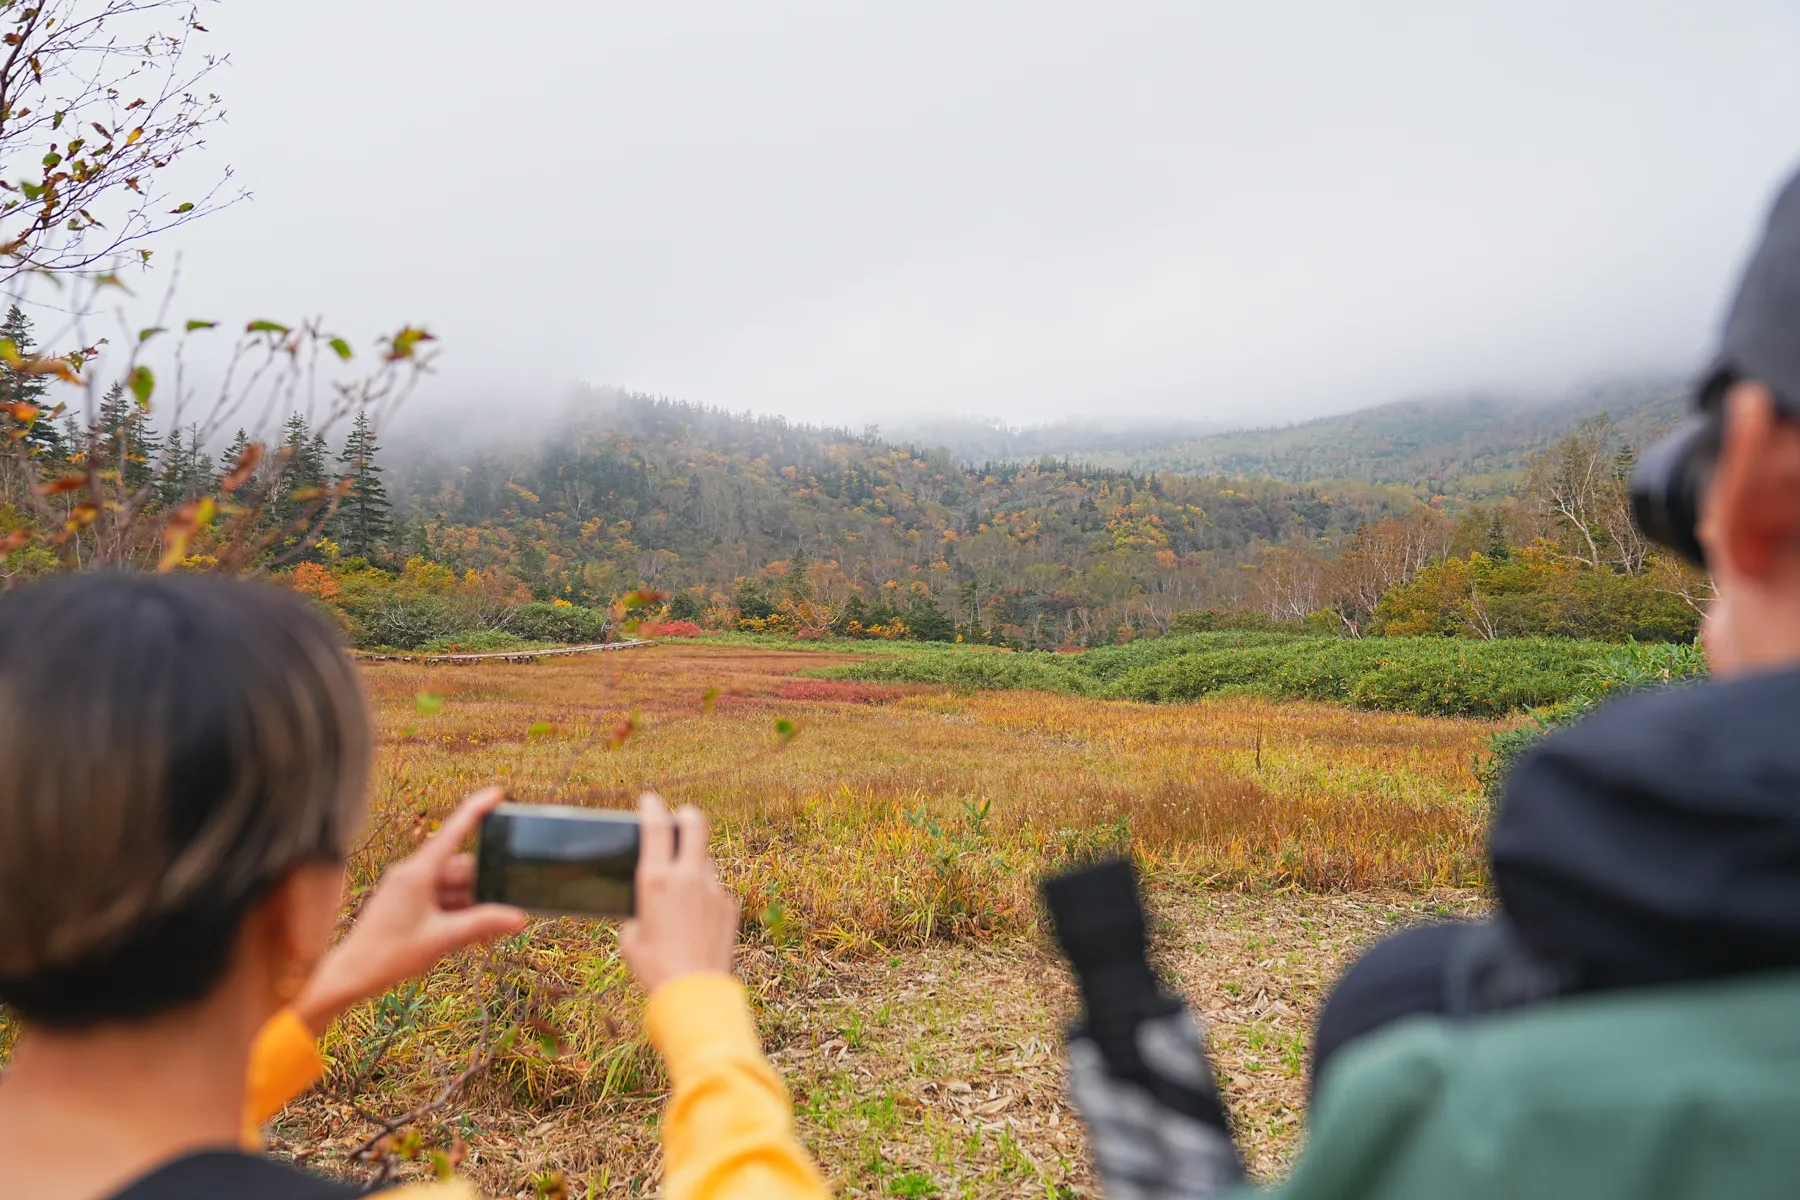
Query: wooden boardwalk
(511, 656)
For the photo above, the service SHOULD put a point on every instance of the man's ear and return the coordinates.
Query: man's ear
(298, 917)
(1751, 524)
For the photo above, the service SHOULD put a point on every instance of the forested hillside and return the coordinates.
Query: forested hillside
(631, 489)
(712, 520)
(976, 441)
(1473, 448)
(754, 523)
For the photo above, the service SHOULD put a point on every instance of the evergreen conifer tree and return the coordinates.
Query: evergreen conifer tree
(926, 621)
(126, 441)
(750, 601)
(16, 387)
(302, 471)
(186, 469)
(1496, 537)
(250, 491)
(686, 606)
(854, 612)
(363, 522)
(799, 586)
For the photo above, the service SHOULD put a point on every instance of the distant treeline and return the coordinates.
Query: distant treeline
(778, 526)
(754, 523)
(1475, 448)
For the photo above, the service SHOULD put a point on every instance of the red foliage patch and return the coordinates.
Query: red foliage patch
(841, 691)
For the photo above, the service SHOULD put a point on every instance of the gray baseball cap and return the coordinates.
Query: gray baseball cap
(1762, 333)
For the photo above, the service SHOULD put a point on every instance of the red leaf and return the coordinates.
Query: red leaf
(622, 731)
(68, 483)
(246, 463)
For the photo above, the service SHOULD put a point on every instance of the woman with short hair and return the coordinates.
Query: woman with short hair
(183, 765)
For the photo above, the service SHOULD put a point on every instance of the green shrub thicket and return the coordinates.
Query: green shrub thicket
(1427, 676)
(1625, 669)
(1215, 620)
(573, 623)
(1091, 673)
(477, 641)
(398, 619)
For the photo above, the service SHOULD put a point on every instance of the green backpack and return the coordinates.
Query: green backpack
(1672, 1093)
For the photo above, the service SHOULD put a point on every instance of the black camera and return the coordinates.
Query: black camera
(559, 861)
(1758, 342)
(1668, 482)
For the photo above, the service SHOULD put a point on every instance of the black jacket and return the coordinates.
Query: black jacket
(1657, 841)
(229, 1175)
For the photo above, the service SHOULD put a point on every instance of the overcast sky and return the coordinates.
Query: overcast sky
(848, 211)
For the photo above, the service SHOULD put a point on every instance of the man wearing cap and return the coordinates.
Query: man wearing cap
(1628, 1024)
(1659, 840)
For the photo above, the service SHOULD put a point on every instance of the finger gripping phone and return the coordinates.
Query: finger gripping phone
(559, 861)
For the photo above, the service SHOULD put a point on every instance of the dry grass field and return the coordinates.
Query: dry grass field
(885, 840)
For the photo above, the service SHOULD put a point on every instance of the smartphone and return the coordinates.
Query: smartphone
(559, 861)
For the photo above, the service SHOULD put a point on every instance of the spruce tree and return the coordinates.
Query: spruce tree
(187, 471)
(302, 471)
(854, 612)
(799, 586)
(250, 492)
(926, 622)
(16, 387)
(125, 439)
(750, 601)
(686, 606)
(363, 522)
(170, 483)
(197, 468)
(1497, 547)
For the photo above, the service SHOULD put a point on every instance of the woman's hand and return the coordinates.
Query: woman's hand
(423, 908)
(686, 922)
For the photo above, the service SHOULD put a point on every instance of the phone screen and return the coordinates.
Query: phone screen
(558, 860)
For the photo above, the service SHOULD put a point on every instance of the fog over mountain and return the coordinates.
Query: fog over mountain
(1217, 213)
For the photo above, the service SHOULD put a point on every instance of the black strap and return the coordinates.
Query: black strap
(228, 1175)
(1489, 969)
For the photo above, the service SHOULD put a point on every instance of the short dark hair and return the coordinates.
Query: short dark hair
(170, 748)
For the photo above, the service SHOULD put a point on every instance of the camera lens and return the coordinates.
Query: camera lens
(1667, 484)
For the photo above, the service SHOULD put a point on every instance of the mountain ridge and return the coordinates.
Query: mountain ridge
(1471, 447)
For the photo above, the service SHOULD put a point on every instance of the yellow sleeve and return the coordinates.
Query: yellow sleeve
(729, 1130)
(283, 1063)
